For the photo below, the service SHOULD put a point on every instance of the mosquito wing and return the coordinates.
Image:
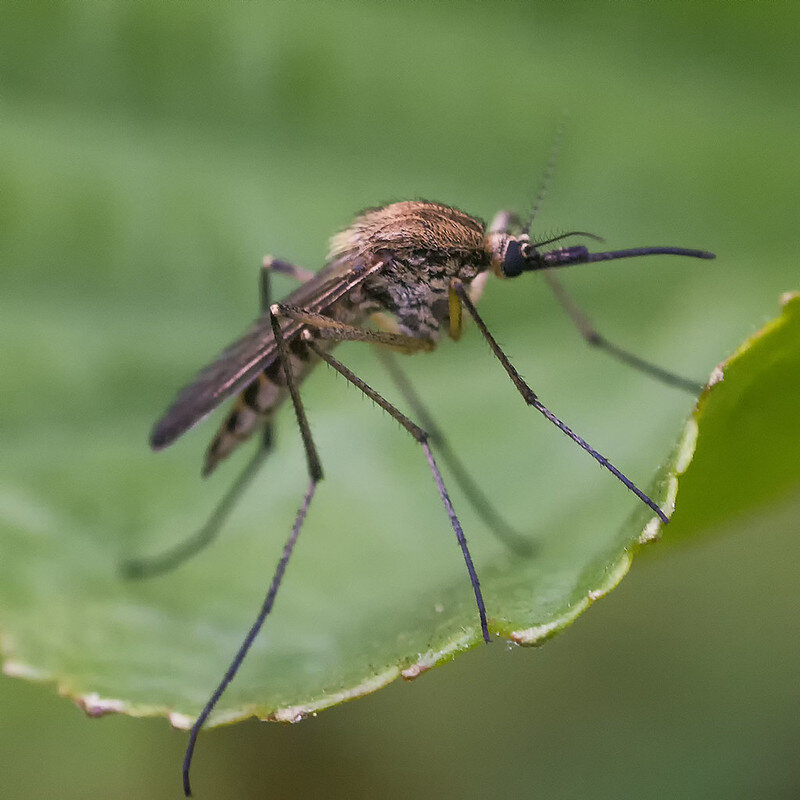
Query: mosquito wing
(233, 369)
(241, 361)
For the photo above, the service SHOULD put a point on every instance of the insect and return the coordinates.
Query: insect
(398, 277)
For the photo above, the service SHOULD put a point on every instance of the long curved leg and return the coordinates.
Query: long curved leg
(507, 221)
(594, 338)
(271, 264)
(471, 489)
(315, 476)
(531, 399)
(184, 550)
(327, 328)
(421, 438)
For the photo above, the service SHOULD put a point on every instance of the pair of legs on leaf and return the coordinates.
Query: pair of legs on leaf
(325, 329)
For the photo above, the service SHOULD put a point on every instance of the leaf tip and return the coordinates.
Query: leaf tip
(16, 669)
(539, 634)
(651, 532)
(717, 376)
(414, 671)
(95, 706)
(433, 658)
(181, 722)
(788, 297)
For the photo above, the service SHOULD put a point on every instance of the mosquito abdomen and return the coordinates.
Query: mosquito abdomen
(255, 406)
(250, 411)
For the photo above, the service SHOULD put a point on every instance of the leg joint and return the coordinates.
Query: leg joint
(420, 435)
(595, 339)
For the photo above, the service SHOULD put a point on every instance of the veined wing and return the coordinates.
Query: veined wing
(240, 362)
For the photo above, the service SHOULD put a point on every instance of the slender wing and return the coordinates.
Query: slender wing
(241, 361)
(231, 370)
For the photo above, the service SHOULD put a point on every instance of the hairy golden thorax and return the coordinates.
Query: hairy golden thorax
(411, 226)
(422, 246)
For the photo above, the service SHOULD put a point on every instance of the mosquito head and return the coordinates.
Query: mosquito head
(519, 254)
(512, 255)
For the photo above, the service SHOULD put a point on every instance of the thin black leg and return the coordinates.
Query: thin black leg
(251, 635)
(532, 400)
(422, 438)
(175, 556)
(471, 489)
(593, 337)
(315, 475)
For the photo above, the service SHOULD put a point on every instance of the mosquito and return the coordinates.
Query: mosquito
(397, 277)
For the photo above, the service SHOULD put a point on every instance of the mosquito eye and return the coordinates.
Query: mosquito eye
(514, 259)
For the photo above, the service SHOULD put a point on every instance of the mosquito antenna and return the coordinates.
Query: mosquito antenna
(566, 236)
(547, 177)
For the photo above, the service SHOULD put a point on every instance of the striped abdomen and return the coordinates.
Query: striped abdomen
(257, 404)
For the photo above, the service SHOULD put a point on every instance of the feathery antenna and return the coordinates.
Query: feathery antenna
(547, 177)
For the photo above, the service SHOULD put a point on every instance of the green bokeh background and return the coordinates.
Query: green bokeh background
(150, 154)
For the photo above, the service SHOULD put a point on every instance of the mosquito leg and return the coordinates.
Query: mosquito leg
(532, 400)
(271, 264)
(315, 476)
(175, 556)
(327, 328)
(422, 438)
(148, 567)
(471, 489)
(593, 337)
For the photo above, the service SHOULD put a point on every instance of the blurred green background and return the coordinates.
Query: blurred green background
(151, 154)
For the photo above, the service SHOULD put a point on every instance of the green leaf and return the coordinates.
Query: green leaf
(149, 159)
(359, 608)
(747, 444)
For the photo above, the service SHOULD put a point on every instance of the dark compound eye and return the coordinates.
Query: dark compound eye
(514, 259)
